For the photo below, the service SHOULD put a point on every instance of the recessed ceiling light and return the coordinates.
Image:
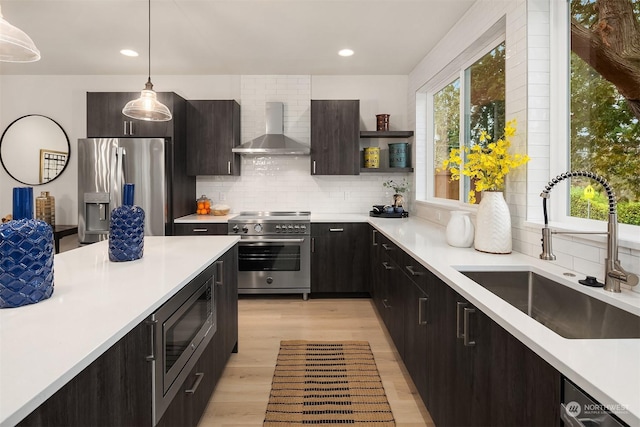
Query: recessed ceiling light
(345, 52)
(129, 52)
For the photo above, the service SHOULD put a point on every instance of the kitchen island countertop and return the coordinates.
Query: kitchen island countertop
(95, 303)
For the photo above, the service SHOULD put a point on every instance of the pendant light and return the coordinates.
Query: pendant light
(15, 44)
(147, 107)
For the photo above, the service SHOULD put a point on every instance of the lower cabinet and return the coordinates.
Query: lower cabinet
(116, 389)
(195, 229)
(468, 370)
(339, 258)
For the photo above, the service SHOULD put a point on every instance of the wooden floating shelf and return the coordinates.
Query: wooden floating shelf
(386, 170)
(386, 134)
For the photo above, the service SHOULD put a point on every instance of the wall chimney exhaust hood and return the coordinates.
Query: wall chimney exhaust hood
(274, 142)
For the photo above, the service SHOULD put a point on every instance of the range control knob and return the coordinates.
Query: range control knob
(297, 228)
(277, 228)
(303, 228)
(290, 227)
(245, 229)
(235, 229)
(257, 228)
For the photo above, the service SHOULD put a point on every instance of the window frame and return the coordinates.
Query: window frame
(559, 154)
(445, 77)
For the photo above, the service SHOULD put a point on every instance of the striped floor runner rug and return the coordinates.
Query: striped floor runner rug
(326, 383)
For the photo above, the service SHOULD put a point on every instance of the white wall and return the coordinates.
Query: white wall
(285, 182)
(266, 183)
(528, 100)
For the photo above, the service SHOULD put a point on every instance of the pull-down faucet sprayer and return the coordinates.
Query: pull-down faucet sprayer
(613, 271)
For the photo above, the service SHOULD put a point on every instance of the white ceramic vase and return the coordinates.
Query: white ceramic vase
(493, 224)
(460, 230)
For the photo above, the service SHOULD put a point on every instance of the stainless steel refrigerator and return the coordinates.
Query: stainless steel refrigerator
(161, 189)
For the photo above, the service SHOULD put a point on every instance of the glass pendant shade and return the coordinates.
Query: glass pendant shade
(147, 107)
(15, 44)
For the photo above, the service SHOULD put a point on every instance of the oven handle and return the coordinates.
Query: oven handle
(254, 241)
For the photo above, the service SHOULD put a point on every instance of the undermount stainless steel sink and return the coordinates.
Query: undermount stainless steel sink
(567, 312)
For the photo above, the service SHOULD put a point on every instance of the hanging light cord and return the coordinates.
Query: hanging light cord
(149, 41)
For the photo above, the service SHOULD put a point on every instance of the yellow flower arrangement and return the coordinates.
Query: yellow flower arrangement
(487, 166)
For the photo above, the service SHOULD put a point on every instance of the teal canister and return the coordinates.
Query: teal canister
(398, 155)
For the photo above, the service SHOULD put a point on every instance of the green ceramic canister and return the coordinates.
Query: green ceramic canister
(398, 155)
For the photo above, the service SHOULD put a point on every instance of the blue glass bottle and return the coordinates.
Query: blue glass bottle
(126, 229)
(26, 255)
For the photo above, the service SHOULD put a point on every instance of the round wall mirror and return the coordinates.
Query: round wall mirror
(34, 149)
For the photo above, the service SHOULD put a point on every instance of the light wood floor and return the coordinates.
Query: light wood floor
(241, 396)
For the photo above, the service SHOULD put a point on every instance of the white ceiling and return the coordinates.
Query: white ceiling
(231, 36)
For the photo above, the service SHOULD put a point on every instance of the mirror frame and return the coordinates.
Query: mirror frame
(2, 139)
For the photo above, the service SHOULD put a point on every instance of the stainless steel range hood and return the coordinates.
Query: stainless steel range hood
(274, 142)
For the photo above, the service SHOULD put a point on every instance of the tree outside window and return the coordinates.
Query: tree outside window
(605, 106)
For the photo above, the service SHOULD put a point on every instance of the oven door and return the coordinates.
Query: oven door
(274, 265)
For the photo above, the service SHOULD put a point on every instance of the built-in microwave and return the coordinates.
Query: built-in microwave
(181, 329)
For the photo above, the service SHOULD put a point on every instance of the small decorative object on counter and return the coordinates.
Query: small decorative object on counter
(372, 157)
(220, 210)
(126, 230)
(487, 164)
(398, 188)
(460, 230)
(46, 208)
(203, 206)
(26, 255)
(398, 154)
(382, 121)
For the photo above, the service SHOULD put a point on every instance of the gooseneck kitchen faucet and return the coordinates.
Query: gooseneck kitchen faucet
(613, 271)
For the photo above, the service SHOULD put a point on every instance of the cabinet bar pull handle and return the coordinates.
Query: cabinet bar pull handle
(387, 247)
(384, 303)
(199, 377)
(467, 341)
(229, 167)
(199, 230)
(314, 167)
(412, 271)
(152, 328)
(220, 273)
(130, 127)
(373, 237)
(387, 266)
(313, 244)
(125, 127)
(422, 302)
(460, 306)
(336, 230)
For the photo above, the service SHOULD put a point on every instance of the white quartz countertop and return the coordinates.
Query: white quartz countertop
(95, 303)
(199, 219)
(607, 369)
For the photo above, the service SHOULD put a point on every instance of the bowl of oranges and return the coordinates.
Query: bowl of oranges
(203, 206)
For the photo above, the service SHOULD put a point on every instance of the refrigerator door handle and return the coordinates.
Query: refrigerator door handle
(116, 177)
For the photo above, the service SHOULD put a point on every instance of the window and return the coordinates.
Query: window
(480, 90)
(604, 108)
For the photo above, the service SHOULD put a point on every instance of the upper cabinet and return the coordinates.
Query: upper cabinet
(105, 118)
(213, 129)
(335, 136)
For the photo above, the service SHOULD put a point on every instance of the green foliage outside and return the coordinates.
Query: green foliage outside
(628, 212)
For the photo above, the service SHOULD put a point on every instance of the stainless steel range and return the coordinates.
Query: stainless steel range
(274, 252)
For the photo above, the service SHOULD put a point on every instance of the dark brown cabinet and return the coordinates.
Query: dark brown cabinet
(213, 129)
(468, 370)
(105, 118)
(339, 257)
(116, 389)
(197, 229)
(335, 137)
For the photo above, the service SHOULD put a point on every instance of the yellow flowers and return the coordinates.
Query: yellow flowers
(487, 164)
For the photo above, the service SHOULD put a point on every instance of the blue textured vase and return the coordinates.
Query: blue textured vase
(126, 229)
(26, 255)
